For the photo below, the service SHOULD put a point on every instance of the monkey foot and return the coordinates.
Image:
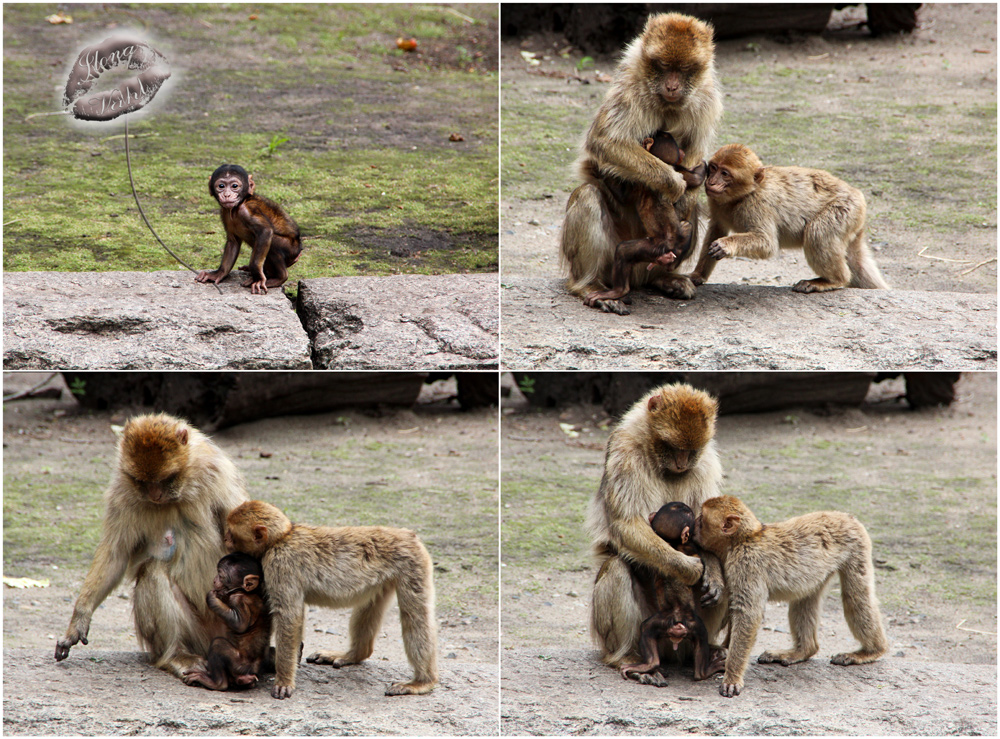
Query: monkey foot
(654, 678)
(678, 287)
(410, 688)
(783, 658)
(814, 286)
(854, 658)
(334, 659)
(608, 306)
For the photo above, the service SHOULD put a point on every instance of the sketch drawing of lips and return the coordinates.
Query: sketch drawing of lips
(130, 95)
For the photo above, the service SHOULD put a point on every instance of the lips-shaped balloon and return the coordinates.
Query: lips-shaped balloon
(130, 95)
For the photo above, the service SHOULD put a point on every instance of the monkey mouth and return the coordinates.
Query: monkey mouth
(129, 95)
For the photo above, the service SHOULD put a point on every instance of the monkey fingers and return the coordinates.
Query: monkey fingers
(281, 691)
(215, 276)
(716, 250)
(63, 645)
(730, 689)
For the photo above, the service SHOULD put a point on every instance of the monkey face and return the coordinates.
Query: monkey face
(673, 460)
(228, 190)
(733, 172)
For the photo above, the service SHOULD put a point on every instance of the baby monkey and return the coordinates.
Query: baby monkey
(237, 598)
(675, 606)
(667, 237)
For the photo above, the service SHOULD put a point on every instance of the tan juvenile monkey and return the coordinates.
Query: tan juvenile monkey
(665, 82)
(347, 566)
(794, 562)
(756, 210)
(166, 507)
(661, 451)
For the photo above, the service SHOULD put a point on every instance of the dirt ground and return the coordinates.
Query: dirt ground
(922, 482)
(909, 120)
(432, 469)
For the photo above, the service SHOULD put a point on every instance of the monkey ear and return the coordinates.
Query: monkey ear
(685, 534)
(758, 176)
(651, 517)
(260, 534)
(182, 436)
(250, 185)
(250, 582)
(655, 403)
(730, 525)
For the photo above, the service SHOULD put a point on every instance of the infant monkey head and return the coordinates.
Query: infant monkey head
(674, 523)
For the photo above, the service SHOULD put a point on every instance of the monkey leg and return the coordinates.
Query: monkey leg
(416, 616)
(272, 271)
(615, 616)
(365, 622)
(587, 245)
(288, 627)
(648, 671)
(803, 621)
(165, 623)
(825, 248)
(861, 611)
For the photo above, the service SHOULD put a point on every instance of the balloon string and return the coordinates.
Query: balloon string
(128, 163)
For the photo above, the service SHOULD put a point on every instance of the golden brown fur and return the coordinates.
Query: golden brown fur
(665, 81)
(166, 506)
(661, 451)
(756, 210)
(794, 562)
(357, 567)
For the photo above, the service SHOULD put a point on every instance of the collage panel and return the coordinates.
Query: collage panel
(689, 187)
(334, 489)
(260, 187)
(863, 506)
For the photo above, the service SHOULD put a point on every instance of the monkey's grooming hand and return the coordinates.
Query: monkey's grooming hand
(717, 250)
(711, 590)
(282, 691)
(73, 635)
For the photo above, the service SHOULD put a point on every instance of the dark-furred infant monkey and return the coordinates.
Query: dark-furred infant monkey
(675, 608)
(667, 237)
(255, 220)
(237, 598)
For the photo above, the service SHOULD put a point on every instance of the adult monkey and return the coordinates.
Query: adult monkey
(165, 512)
(665, 81)
(661, 451)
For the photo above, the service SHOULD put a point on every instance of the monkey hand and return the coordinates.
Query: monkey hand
(282, 691)
(258, 287)
(696, 279)
(717, 250)
(73, 635)
(215, 276)
(729, 689)
(711, 591)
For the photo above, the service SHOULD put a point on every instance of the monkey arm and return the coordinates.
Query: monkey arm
(229, 254)
(746, 611)
(637, 541)
(238, 617)
(622, 155)
(703, 269)
(106, 571)
(760, 243)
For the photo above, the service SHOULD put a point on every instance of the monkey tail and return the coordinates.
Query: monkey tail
(864, 271)
(128, 164)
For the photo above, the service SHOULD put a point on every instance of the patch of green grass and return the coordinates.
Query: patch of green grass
(530, 531)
